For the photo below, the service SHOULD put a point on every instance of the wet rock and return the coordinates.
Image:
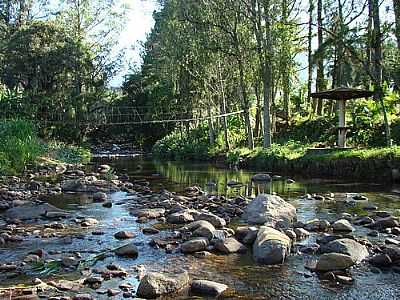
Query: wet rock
(250, 236)
(392, 242)
(380, 260)
(393, 252)
(121, 235)
(113, 292)
(373, 233)
(229, 245)
(342, 225)
(301, 233)
(353, 249)
(99, 197)
(87, 222)
(202, 254)
(180, 217)
(194, 245)
(216, 221)
(34, 211)
(154, 285)
(207, 288)
(291, 234)
(396, 230)
(344, 279)
(270, 210)
(261, 178)
(107, 204)
(383, 214)
(388, 222)
(370, 206)
(151, 213)
(271, 246)
(334, 261)
(70, 261)
(94, 282)
(317, 225)
(150, 231)
(31, 258)
(82, 297)
(201, 229)
(129, 250)
(363, 221)
(309, 249)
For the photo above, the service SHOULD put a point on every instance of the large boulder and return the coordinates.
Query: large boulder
(180, 217)
(229, 245)
(149, 213)
(334, 261)
(195, 245)
(154, 285)
(201, 229)
(270, 210)
(216, 221)
(342, 225)
(207, 288)
(349, 247)
(261, 178)
(128, 250)
(35, 211)
(271, 246)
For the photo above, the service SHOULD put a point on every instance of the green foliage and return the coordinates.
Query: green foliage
(19, 145)
(68, 153)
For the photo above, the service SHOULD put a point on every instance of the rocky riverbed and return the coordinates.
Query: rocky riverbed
(95, 232)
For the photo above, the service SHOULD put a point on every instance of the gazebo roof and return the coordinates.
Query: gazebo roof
(342, 93)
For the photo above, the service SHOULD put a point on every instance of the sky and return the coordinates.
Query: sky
(139, 23)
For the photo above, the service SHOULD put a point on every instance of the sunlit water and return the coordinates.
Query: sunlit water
(245, 279)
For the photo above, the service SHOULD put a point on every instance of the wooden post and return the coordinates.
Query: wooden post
(342, 123)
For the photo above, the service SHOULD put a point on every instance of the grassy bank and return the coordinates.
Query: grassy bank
(20, 146)
(369, 162)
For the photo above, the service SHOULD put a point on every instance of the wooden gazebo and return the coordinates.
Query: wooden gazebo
(341, 95)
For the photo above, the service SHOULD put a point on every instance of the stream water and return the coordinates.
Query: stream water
(245, 279)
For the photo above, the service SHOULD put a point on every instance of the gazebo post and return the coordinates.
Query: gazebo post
(342, 123)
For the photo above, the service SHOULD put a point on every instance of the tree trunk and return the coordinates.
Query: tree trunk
(377, 65)
(285, 64)
(223, 107)
(310, 64)
(396, 7)
(258, 107)
(320, 66)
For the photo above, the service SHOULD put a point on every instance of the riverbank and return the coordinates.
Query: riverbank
(374, 164)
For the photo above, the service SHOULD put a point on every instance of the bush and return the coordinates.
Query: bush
(68, 153)
(19, 145)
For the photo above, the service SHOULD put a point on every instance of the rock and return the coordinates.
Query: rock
(342, 225)
(229, 245)
(180, 217)
(388, 222)
(270, 210)
(363, 221)
(107, 204)
(353, 249)
(154, 285)
(202, 254)
(344, 279)
(380, 260)
(82, 297)
(152, 213)
(309, 249)
(383, 214)
(207, 288)
(392, 242)
(250, 236)
(291, 234)
(194, 245)
(261, 178)
(34, 211)
(216, 221)
(202, 229)
(317, 225)
(393, 252)
(121, 235)
(99, 197)
(112, 292)
(87, 222)
(70, 261)
(73, 185)
(102, 169)
(94, 281)
(128, 250)
(271, 246)
(301, 233)
(150, 231)
(334, 261)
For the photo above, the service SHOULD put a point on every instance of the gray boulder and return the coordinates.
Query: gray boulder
(207, 288)
(195, 245)
(270, 210)
(334, 261)
(201, 229)
(349, 247)
(180, 217)
(128, 250)
(261, 178)
(216, 221)
(154, 285)
(229, 245)
(271, 246)
(342, 225)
